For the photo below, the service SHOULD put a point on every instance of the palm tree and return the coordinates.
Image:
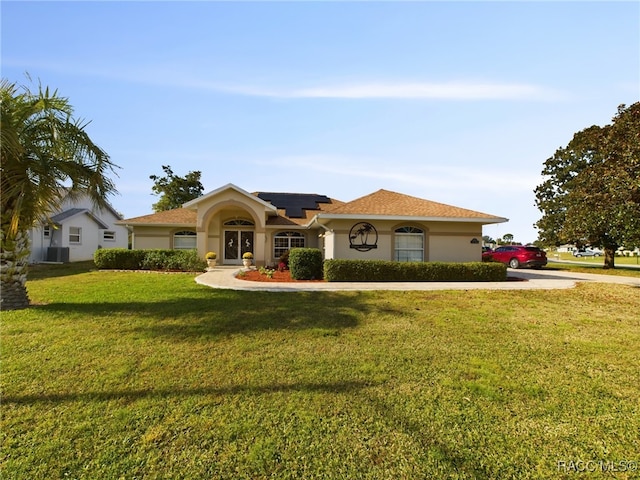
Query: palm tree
(43, 150)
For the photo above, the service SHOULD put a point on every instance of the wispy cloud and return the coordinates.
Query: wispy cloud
(398, 90)
(174, 77)
(429, 91)
(435, 177)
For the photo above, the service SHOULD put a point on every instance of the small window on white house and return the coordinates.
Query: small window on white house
(75, 235)
(46, 231)
(185, 240)
(109, 236)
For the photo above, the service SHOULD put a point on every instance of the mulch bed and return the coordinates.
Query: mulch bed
(284, 276)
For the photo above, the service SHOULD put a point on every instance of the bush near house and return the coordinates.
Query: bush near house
(155, 259)
(118, 258)
(305, 263)
(386, 271)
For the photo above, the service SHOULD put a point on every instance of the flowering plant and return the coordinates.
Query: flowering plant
(210, 256)
(247, 255)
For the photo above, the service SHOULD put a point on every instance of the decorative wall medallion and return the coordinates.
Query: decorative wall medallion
(363, 237)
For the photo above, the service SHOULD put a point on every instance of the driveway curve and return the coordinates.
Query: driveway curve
(225, 278)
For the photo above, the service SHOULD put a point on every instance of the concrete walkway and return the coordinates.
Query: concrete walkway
(224, 277)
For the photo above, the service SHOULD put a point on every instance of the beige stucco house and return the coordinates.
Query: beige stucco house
(383, 225)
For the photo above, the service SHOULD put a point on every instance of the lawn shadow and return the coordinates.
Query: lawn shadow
(164, 393)
(45, 270)
(225, 313)
(524, 275)
(424, 435)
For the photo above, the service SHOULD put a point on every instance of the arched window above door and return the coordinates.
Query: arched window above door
(239, 223)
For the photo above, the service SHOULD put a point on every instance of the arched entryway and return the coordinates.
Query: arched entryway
(238, 238)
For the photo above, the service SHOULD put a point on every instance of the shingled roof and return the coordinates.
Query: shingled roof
(295, 209)
(387, 203)
(72, 212)
(175, 217)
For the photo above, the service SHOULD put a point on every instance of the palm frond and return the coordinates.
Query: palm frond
(45, 149)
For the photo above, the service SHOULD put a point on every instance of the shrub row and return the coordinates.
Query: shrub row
(386, 271)
(156, 259)
(305, 263)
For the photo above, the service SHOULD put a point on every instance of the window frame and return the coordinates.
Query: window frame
(239, 222)
(77, 235)
(408, 231)
(289, 235)
(184, 234)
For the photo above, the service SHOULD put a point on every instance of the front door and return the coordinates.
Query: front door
(237, 242)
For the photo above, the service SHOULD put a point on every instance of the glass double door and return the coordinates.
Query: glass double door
(236, 243)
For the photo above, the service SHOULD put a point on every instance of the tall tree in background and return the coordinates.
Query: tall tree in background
(591, 194)
(44, 150)
(174, 190)
(507, 238)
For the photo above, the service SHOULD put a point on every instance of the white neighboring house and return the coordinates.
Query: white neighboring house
(76, 231)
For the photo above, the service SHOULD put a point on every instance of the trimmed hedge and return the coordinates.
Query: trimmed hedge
(305, 263)
(386, 271)
(154, 259)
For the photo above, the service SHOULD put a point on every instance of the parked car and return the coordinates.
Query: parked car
(587, 252)
(516, 256)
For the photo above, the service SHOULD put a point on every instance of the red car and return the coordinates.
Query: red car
(517, 256)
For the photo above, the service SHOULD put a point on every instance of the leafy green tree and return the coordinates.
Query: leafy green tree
(44, 150)
(591, 192)
(174, 190)
(487, 240)
(507, 238)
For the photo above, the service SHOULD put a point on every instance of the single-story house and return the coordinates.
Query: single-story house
(76, 231)
(383, 225)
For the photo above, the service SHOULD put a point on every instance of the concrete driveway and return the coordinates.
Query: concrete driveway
(224, 277)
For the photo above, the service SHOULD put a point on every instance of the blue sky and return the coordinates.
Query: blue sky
(456, 102)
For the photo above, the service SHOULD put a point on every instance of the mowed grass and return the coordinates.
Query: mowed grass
(139, 375)
(624, 266)
(620, 261)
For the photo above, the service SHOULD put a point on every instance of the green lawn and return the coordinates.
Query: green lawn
(141, 375)
(622, 264)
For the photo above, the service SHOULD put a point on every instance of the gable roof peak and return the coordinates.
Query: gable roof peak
(389, 203)
(193, 204)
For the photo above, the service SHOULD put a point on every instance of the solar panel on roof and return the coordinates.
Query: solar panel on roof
(294, 204)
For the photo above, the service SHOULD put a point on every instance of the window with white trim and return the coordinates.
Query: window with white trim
(409, 244)
(285, 241)
(46, 231)
(239, 223)
(75, 235)
(185, 240)
(109, 236)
